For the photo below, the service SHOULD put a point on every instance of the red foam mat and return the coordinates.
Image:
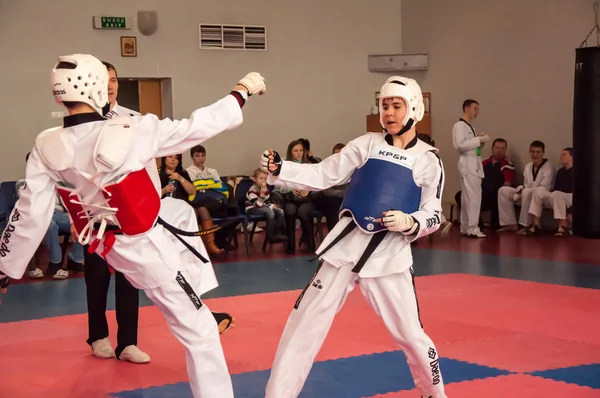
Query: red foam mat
(513, 325)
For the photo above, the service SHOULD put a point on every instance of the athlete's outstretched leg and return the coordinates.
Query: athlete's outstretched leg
(394, 298)
(193, 325)
(307, 327)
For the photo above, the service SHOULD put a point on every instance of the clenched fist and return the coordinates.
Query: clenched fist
(254, 83)
(398, 221)
(270, 162)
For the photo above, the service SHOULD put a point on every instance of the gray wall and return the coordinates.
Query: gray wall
(319, 86)
(516, 57)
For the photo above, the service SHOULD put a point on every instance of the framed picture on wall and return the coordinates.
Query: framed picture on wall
(128, 46)
(377, 99)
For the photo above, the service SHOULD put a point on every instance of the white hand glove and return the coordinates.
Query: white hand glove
(397, 221)
(254, 83)
(484, 138)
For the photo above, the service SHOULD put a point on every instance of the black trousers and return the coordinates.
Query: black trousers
(127, 300)
(329, 206)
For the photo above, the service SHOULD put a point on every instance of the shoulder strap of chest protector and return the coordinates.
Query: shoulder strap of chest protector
(113, 143)
(110, 152)
(55, 149)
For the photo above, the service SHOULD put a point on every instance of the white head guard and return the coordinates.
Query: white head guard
(80, 78)
(410, 91)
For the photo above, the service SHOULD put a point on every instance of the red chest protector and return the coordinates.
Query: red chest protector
(134, 197)
(129, 206)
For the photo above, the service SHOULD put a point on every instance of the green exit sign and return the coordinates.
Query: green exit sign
(106, 22)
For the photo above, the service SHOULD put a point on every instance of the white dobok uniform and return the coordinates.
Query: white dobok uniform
(154, 260)
(557, 200)
(508, 196)
(386, 279)
(470, 168)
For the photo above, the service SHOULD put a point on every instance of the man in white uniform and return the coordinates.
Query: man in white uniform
(98, 167)
(394, 198)
(538, 174)
(468, 144)
(559, 199)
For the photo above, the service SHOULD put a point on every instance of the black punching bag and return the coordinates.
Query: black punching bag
(586, 143)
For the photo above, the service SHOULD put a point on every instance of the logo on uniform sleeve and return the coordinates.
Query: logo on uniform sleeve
(435, 220)
(4, 250)
(15, 216)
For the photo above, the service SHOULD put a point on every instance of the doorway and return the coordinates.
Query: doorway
(147, 95)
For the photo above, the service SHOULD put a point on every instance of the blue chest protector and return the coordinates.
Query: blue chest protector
(385, 182)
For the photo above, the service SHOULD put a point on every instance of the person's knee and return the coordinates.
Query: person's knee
(290, 209)
(556, 195)
(505, 192)
(536, 195)
(306, 211)
(269, 214)
(53, 228)
(528, 191)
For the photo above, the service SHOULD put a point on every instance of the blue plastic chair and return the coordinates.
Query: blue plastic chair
(8, 199)
(241, 216)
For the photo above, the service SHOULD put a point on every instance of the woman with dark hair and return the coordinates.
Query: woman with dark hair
(176, 182)
(309, 155)
(297, 204)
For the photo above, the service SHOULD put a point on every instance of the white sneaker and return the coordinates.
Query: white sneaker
(258, 229)
(477, 234)
(133, 354)
(103, 349)
(446, 227)
(61, 274)
(35, 273)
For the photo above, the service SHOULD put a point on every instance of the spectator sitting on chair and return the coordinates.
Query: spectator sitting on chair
(499, 172)
(309, 155)
(258, 202)
(176, 182)
(212, 194)
(538, 174)
(296, 204)
(559, 199)
(60, 224)
(329, 201)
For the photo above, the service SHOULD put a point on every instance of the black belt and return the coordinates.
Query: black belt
(109, 227)
(175, 231)
(375, 241)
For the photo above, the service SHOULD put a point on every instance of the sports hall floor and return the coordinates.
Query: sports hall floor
(511, 317)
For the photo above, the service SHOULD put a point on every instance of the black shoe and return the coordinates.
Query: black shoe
(290, 224)
(4, 282)
(74, 266)
(52, 269)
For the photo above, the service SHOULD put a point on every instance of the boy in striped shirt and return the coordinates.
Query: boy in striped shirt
(258, 202)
